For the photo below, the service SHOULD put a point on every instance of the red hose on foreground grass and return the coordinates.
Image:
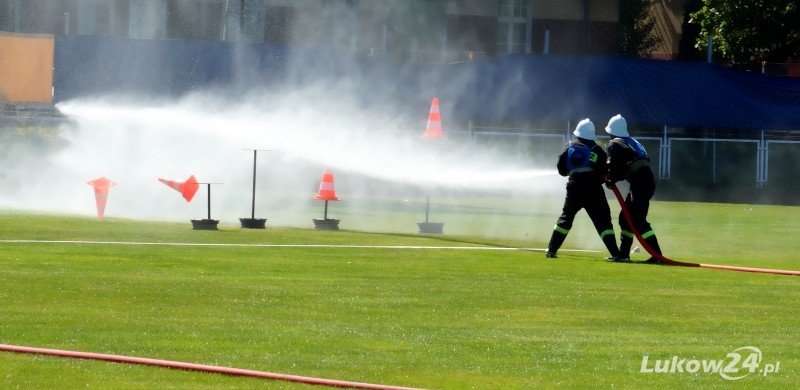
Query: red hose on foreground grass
(197, 367)
(665, 260)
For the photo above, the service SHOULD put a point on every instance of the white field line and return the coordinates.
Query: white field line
(82, 242)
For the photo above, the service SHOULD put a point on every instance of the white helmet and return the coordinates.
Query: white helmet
(585, 130)
(617, 126)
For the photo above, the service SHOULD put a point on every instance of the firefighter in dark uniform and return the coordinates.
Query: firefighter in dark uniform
(584, 162)
(628, 160)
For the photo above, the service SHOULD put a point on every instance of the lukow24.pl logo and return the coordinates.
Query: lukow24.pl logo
(736, 365)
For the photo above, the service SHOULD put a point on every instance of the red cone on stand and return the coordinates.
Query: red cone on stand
(326, 188)
(326, 192)
(432, 131)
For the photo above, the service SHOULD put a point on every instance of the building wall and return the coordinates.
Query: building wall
(669, 19)
(278, 19)
(27, 64)
(575, 26)
(411, 29)
(196, 20)
(471, 36)
(573, 37)
(472, 7)
(147, 19)
(418, 31)
(604, 11)
(558, 9)
(595, 10)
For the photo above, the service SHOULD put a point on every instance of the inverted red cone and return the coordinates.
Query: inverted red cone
(101, 186)
(434, 127)
(326, 189)
(187, 188)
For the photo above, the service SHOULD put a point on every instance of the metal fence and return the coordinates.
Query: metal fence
(751, 147)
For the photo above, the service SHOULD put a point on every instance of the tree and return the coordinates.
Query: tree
(749, 31)
(636, 20)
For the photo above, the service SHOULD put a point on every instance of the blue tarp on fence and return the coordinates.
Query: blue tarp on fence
(511, 88)
(681, 94)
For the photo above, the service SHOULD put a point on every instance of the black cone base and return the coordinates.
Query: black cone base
(430, 227)
(205, 224)
(253, 223)
(326, 224)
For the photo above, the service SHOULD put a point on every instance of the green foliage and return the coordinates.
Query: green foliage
(636, 21)
(749, 31)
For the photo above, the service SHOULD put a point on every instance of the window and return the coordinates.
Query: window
(512, 26)
(512, 8)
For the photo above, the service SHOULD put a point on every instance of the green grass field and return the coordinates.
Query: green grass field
(443, 318)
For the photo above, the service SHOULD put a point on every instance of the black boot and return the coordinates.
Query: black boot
(625, 242)
(611, 244)
(652, 241)
(555, 243)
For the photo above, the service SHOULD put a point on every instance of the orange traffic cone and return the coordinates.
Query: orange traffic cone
(434, 128)
(187, 188)
(101, 186)
(326, 190)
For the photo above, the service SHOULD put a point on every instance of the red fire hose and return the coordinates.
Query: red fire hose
(665, 260)
(198, 367)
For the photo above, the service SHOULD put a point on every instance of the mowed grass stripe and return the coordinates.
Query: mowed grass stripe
(417, 317)
(328, 246)
(262, 245)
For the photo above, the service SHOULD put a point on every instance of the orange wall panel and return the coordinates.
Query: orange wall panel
(26, 68)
